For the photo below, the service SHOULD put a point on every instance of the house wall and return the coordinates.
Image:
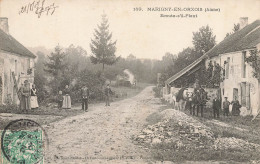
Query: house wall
(19, 65)
(235, 80)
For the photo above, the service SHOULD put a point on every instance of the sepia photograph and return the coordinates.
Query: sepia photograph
(130, 81)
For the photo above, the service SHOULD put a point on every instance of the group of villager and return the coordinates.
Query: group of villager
(195, 100)
(28, 97)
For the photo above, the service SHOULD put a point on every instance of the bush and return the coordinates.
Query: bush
(9, 106)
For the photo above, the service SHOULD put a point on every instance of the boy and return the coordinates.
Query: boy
(226, 104)
(60, 99)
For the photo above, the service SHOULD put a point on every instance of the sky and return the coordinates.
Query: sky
(142, 33)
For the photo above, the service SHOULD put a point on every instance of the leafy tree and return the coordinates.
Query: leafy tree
(235, 29)
(40, 79)
(203, 40)
(55, 66)
(102, 47)
(254, 61)
(131, 57)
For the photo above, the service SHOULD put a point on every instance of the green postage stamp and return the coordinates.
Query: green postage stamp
(22, 142)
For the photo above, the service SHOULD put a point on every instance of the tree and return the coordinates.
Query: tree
(40, 79)
(235, 29)
(55, 66)
(203, 40)
(131, 57)
(102, 47)
(254, 61)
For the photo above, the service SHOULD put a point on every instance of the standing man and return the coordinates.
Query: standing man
(85, 95)
(216, 107)
(108, 92)
(226, 104)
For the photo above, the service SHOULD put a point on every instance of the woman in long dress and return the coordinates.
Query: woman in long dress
(25, 103)
(235, 107)
(67, 101)
(34, 100)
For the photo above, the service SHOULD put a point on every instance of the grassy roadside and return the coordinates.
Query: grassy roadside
(250, 132)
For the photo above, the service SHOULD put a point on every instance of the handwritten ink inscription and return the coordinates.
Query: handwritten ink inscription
(38, 7)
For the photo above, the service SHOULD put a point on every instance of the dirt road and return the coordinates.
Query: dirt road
(102, 135)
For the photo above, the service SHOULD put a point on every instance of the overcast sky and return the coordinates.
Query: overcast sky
(143, 33)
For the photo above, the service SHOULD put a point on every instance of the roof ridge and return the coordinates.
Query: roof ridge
(9, 44)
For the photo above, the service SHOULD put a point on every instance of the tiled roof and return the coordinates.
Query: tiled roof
(246, 38)
(10, 44)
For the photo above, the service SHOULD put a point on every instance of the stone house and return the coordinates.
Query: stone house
(16, 65)
(238, 80)
(237, 74)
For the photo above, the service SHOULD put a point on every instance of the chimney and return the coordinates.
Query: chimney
(4, 24)
(243, 21)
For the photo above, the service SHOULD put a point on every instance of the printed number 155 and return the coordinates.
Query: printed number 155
(138, 9)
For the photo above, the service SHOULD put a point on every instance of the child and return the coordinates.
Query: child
(60, 99)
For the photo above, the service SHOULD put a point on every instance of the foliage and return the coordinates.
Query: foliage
(93, 80)
(40, 77)
(203, 40)
(214, 76)
(235, 29)
(56, 66)
(9, 105)
(254, 61)
(102, 47)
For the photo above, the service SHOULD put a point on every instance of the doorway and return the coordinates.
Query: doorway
(235, 93)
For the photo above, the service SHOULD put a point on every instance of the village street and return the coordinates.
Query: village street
(103, 134)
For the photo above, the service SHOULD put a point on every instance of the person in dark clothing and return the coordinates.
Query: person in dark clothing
(60, 100)
(216, 107)
(235, 107)
(202, 101)
(226, 104)
(85, 96)
(108, 92)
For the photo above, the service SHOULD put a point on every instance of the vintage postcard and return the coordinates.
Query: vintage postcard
(129, 81)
